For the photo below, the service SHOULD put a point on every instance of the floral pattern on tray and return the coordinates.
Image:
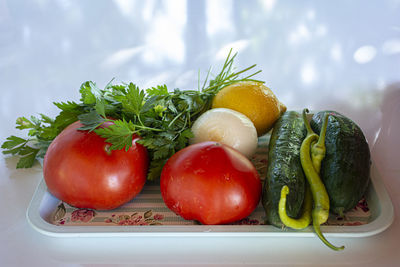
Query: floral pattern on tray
(129, 215)
(148, 208)
(147, 218)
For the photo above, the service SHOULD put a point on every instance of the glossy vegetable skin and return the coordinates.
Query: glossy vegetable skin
(80, 170)
(211, 183)
(284, 168)
(345, 169)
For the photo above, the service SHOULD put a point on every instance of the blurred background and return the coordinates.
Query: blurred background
(342, 55)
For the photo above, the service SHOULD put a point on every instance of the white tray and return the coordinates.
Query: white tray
(42, 208)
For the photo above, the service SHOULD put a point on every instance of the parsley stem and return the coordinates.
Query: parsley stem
(142, 127)
(176, 117)
(138, 116)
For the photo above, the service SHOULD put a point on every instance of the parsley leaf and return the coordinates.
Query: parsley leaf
(18, 146)
(13, 141)
(155, 169)
(118, 134)
(24, 123)
(161, 90)
(69, 114)
(89, 93)
(28, 157)
(90, 120)
(132, 100)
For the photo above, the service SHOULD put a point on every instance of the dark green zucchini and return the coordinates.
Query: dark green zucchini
(284, 167)
(345, 169)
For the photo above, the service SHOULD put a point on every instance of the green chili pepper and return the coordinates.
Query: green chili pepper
(318, 149)
(305, 218)
(320, 212)
(318, 153)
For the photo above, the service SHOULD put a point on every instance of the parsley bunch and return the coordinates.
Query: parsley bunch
(162, 118)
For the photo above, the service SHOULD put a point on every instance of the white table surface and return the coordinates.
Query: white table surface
(342, 55)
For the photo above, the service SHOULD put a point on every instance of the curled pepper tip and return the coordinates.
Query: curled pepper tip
(323, 239)
(305, 218)
(285, 190)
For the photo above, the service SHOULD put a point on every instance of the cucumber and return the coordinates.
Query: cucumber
(284, 167)
(345, 170)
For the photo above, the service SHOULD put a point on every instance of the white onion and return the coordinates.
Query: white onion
(228, 127)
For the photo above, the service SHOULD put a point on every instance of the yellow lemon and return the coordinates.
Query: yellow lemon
(254, 100)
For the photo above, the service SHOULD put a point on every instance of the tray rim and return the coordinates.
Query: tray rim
(378, 225)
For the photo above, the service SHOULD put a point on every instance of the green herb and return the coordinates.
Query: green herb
(161, 118)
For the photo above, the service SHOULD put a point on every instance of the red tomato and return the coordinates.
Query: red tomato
(79, 169)
(211, 183)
